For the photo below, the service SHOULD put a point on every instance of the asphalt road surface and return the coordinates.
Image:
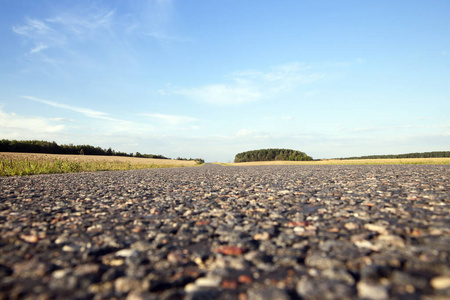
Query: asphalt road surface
(213, 232)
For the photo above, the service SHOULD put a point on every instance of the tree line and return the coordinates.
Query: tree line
(197, 160)
(271, 155)
(35, 146)
(434, 154)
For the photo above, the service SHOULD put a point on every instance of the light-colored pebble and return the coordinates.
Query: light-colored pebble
(440, 282)
(372, 291)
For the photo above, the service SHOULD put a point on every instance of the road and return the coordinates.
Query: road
(267, 232)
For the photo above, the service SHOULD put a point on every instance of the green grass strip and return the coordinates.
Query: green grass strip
(9, 167)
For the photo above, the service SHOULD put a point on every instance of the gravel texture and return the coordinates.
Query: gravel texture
(213, 232)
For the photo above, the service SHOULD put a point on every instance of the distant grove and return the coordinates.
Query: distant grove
(434, 154)
(271, 155)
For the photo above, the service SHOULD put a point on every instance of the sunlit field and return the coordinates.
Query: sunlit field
(33, 163)
(391, 161)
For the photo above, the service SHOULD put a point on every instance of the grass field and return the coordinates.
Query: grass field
(34, 163)
(392, 161)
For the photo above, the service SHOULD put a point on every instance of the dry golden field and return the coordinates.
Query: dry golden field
(92, 158)
(392, 161)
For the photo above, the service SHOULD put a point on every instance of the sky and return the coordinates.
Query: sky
(210, 79)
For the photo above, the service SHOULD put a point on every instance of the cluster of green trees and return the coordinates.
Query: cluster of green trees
(149, 155)
(271, 155)
(197, 160)
(435, 154)
(35, 146)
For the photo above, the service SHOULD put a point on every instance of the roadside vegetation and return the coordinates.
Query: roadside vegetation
(271, 155)
(56, 158)
(12, 164)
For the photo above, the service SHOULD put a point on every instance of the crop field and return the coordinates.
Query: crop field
(35, 163)
(391, 161)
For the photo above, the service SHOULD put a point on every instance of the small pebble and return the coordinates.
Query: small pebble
(440, 282)
(209, 282)
(372, 291)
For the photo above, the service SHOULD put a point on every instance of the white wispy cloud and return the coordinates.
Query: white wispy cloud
(249, 86)
(83, 24)
(62, 130)
(85, 111)
(41, 33)
(282, 78)
(32, 27)
(60, 30)
(67, 30)
(112, 125)
(13, 125)
(154, 19)
(38, 48)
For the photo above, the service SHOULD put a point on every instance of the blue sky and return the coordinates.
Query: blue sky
(211, 79)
